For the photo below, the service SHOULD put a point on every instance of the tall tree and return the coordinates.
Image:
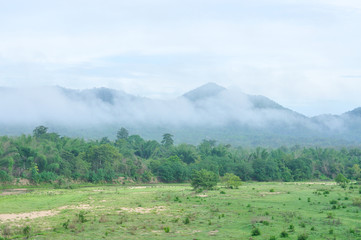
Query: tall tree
(40, 131)
(122, 134)
(167, 140)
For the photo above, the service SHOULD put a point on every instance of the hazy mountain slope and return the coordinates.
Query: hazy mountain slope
(210, 111)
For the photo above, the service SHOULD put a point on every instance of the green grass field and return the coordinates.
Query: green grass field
(272, 210)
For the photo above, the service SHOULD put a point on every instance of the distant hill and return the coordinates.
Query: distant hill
(208, 112)
(208, 90)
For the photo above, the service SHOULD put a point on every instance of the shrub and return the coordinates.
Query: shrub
(356, 202)
(284, 234)
(341, 180)
(291, 228)
(302, 236)
(256, 232)
(186, 221)
(66, 224)
(231, 180)
(26, 231)
(204, 179)
(81, 217)
(166, 229)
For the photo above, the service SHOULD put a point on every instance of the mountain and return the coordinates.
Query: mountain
(208, 112)
(354, 113)
(208, 90)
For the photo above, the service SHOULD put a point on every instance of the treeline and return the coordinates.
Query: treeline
(47, 157)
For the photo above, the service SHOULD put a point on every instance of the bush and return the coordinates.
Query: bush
(356, 202)
(26, 231)
(231, 180)
(341, 179)
(284, 234)
(47, 177)
(4, 176)
(256, 232)
(204, 179)
(303, 236)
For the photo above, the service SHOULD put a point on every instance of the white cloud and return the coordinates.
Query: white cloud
(291, 51)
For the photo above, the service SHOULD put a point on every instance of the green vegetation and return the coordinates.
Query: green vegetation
(204, 179)
(81, 189)
(176, 211)
(48, 158)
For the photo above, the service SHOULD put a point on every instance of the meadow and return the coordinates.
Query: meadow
(268, 210)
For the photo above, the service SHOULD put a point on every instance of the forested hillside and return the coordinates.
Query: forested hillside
(47, 157)
(207, 112)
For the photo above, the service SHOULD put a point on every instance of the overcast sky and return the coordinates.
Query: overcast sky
(304, 54)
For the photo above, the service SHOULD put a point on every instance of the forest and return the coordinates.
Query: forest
(45, 157)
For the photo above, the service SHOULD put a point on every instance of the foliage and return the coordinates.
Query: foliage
(256, 232)
(44, 157)
(231, 180)
(122, 134)
(204, 179)
(341, 179)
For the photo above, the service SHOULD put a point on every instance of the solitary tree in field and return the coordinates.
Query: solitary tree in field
(341, 179)
(231, 180)
(204, 179)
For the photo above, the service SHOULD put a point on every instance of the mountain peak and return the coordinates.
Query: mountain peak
(354, 113)
(207, 90)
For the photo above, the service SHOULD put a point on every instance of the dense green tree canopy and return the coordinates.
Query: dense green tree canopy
(46, 157)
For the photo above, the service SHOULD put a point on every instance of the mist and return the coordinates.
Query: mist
(105, 106)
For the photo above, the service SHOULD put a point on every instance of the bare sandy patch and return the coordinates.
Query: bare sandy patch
(29, 215)
(138, 187)
(143, 210)
(202, 195)
(319, 183)
(212, 233)
(80, 207)
(6, 192)
(269, 193)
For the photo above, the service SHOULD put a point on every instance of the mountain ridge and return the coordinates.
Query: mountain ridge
(209, 111)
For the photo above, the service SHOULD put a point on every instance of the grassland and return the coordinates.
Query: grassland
(272, 210)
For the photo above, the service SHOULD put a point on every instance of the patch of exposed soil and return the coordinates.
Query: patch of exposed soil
(138, 187)
(202, 195)
(143, 210)
(80, 207)
(13, 191)
(30, 215)
(320, 183)
(269, 193)
(213, 233)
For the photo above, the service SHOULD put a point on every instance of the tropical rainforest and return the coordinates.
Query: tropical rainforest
(47, 157)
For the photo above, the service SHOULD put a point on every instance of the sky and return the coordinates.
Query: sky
(305, 55)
